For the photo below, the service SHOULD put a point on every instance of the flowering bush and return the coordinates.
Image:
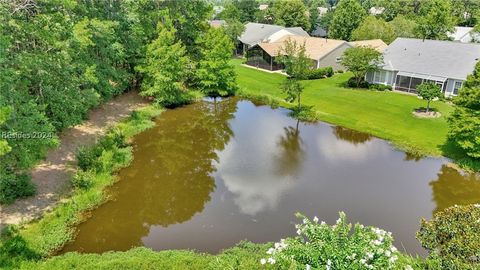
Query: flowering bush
(321, 246)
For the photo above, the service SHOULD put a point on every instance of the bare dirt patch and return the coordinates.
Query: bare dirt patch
(422, 113)
(52, 175)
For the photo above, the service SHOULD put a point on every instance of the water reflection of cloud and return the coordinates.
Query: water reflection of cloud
(247, 165)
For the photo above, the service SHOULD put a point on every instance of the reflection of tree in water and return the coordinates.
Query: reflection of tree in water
(350, 135)
(291, 151)
(412, 157)
(453, 187)
(169, 180)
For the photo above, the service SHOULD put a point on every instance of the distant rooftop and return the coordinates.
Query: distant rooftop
(258, 32)
(377, 44)
(447, 59)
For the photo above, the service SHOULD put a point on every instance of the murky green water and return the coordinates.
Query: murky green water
(214, 173)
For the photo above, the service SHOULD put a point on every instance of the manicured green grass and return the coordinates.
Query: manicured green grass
(387, 115)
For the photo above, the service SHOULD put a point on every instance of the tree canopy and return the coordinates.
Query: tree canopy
(373, 28)
(348, 15)
(429, 91)
(291, 13)
(435, 20)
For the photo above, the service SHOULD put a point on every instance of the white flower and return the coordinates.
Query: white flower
(388, 253)
(270, 251)
(277, 245)
(370, 255)
(263, 261)
(271, 260)
(299, 232)
(307, 267)
(339, 220)
(363, 261)
(408, 267)
(305, 221)
(315, 219)
(329, 262)
(393, 249)
(369, 266)
(392, 259)
(322, 223)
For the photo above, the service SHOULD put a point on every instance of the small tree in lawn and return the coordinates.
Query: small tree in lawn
(297, 64)
(360, 60)
(428, 91)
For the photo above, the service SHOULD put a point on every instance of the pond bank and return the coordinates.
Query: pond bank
(52, 175)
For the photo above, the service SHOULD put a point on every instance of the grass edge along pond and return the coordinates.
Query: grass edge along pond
(43, 237)
(384, 114)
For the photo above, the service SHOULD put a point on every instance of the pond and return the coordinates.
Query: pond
(211, 174)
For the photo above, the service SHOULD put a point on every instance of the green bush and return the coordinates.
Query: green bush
(353, 83)
(14, 249)
(319, 73)
(321, 246)
(339, 71)
(87, 157)
(380, 87)
(83, 179)
(453, 237)
(13, 186)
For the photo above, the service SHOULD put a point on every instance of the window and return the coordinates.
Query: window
(456, 87)
(380, 76)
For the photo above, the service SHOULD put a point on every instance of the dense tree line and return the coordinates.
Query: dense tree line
(58, 59)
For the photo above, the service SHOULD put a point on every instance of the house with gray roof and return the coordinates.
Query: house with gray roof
(410, 62)
(256, 33)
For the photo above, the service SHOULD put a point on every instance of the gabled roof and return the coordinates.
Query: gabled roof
(447, 59)
(316, 48)
(377, 44)
(258, 32)
(460, 32)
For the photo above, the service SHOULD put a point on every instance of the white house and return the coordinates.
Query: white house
(410, 62)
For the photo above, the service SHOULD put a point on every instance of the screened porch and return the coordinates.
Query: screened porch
(408, 82)
(257, 57)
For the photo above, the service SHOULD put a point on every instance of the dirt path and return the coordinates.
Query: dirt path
(52, 175)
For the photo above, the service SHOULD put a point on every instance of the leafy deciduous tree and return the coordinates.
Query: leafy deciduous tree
(403, 27)
(435, 20)
(373, 28)
(215, 75)
(360, 60)
(348, 15)
(291, 13)
(429, 91)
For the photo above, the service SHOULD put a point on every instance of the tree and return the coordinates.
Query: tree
(360, 60)
(326, 20)
(234, 29)
(297, 64)
(313, 17)
(165, 67)
(465, 119)
(373, 28)
(291, 13)
(247, 9)
(215, 75)
(348, 15)
(465, 12)
(403, 27)
(429, 91)
(435, 20)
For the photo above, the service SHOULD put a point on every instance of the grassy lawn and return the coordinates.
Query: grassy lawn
(387, 115)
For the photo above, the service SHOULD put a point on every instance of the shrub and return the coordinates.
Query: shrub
(380, 87)
(87, 157)
(319, 73)
(14, 249)
(452, 237)
(353, 83)
(339, 71)
(83, 179)
(13, 186)
(320, 246)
